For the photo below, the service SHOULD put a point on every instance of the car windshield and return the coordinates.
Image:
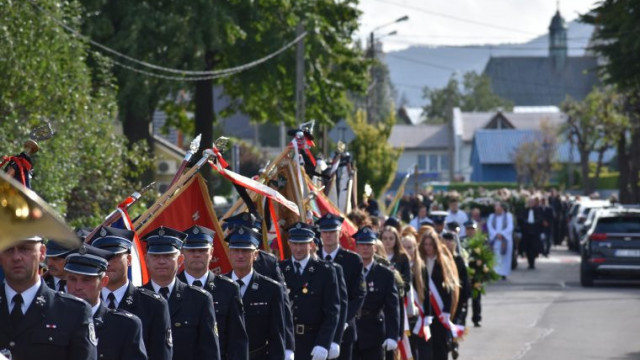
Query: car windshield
(621, 224)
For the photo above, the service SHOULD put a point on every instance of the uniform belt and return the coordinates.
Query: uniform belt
(301, 329)
(259, 352)
(369, 313)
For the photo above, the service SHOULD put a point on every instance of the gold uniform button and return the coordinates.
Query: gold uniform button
(12, 343)
(177, 324)
(50, 338)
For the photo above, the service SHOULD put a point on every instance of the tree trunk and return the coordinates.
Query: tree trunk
(596, 176)
(205, 116)
(584, 169)
(624, 192)
(634, 164)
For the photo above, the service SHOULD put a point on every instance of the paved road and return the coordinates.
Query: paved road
(545, 314)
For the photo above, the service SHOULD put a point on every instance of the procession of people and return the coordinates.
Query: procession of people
(330, 285)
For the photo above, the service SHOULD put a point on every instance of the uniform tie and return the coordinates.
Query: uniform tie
(164, 291)
(328, 257)
(16, 313)
(197, 283)
(298, 267)
(61, 285)
(112, 301)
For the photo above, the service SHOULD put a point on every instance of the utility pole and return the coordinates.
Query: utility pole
(300, 76)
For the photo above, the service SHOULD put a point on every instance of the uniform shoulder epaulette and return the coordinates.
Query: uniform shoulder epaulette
(270, 280)
(122, 313)
(225, 279)
(68, 296)
(270, 255)
(149, 293)
(198, 289)
(350, 253)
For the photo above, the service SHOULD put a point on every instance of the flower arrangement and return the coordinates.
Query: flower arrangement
(481, 263)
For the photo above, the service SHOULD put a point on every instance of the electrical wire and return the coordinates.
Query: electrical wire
(204, 75)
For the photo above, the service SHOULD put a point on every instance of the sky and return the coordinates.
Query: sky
(462, 22)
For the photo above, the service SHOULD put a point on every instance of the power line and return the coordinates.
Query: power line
(496, 47)
(452, 17)
(204, 75)
(440, 67)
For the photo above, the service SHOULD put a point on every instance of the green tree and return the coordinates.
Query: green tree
(79, 171)
(474, 94)
(615, 39)
(594, 125)
(375, 159)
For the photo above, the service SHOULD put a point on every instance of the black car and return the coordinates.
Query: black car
(611, 247)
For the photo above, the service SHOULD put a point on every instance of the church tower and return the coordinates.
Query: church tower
(558, 41)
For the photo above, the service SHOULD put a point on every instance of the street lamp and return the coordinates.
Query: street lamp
(371, 39)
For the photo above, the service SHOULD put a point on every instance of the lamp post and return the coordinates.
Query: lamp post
(372, 56)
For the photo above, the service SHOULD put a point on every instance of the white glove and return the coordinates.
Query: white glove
(444, 317)
(288, 355)
(319, 353)
(429, 320)
(390, 345)
(334, 351)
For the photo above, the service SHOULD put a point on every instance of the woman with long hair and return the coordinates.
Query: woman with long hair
(416, 298)
(450, 240)
(441, 272)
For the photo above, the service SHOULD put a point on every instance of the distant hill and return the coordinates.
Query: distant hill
(418, 66)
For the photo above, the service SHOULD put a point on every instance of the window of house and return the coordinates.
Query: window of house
(422, 161)
(433, 162)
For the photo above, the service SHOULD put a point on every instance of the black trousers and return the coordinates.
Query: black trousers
(440, 339)
(346, 351)
(476, 308)
(373, 353)
(531, 246)
(304, 345)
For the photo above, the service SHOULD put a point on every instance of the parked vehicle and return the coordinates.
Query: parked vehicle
(577, 221)
(611, 247)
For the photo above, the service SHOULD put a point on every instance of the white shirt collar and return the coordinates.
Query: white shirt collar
(95, 308)
(157, 287)
(333, 253)
(368, 267)
(118, 293)
(389, 257)
(303, 262)
(191, 279)
(27, 295)
(245, 280)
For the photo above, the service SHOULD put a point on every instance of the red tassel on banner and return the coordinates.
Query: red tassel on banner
(276, 226)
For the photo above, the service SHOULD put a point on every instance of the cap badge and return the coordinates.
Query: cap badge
(298, 226)
(103, 232)
(241, 231)
(196, 230)
(245, 217)
(329, 216)
(161, 232)
(82, 250)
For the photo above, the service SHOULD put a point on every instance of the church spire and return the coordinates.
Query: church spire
(558, 40)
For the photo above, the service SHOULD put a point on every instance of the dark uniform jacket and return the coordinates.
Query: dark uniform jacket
(315, 301)
(379, 318)
(153, 312)
(344, 302)
(50, 281)
(55, 326)
(119, 335)
(234, 343)
(264, 303)
(266, 264)
(193, 323)
(464, 293)
(352, 270)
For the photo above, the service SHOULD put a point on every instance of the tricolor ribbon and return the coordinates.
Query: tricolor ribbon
(436, 301)
(122, 209)
(276, 226)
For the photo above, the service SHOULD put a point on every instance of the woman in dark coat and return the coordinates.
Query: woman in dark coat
(450, 240)
(441, 271)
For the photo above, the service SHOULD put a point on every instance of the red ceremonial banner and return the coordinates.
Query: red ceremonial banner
(192, 206)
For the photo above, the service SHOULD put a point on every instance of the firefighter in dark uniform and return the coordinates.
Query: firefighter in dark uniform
(119, 333)
(263, 298)
(121, 294)
(379, 318)
(37, 322)
(198, 252)
(193, 319)
(55, 277)
(267, 264)
(313, 289)
(329, 226)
